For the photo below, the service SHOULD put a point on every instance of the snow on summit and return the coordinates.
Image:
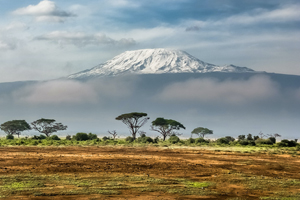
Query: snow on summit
(155, 61)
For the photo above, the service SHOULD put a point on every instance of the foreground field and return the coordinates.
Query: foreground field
(146, 173)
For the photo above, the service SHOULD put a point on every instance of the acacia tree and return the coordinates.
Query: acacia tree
(134, 121)
(15, 127)
(47, 126)
(166, 127)
(202, 131)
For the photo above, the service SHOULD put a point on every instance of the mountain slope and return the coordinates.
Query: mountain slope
(155, 61)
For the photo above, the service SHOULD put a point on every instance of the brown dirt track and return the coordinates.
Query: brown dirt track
(235, 175)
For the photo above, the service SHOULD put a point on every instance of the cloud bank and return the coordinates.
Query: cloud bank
(257, 88)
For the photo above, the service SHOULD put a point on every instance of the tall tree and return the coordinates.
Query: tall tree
(15, 127)
(202, 131)
(134, 121)
(47, 126)
(166, 127)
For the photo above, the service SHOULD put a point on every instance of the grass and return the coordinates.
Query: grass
(54, 185)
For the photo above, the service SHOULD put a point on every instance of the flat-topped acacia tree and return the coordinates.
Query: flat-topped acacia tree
(47, 126)
(134, 121)
(15, 127)
(165, 126)
(202, 131)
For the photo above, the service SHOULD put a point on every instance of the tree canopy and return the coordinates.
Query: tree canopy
(47, 126)
(134, 121)
(15, 127)
(202, 131)
(166, 126)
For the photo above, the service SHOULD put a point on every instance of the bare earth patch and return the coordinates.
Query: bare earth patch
(145, 173)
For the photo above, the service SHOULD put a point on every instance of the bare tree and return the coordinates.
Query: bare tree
(113, 133)
(275, 135)
(261, 135)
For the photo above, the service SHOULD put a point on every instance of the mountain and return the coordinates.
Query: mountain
(154, 61)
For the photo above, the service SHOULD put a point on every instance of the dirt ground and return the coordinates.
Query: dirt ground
(160, 173)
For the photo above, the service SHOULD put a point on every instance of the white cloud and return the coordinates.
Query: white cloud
(206, 90)
(57, 92)
(44, 11)
(81, 39)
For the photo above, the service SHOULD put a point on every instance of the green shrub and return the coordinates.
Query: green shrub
(129, 139)
(223, 141)
(92, 136)
(10, 137)
(156, 140)
(230, 139)
(144, 139)
(273, 139)
(68, 137)
(190, 141)
(54, 137)
(105, 138)
(201, 140)
(263, 141)
(41, 137)
(81, 137)
(287, 143)
(243, 142)
(174, 139)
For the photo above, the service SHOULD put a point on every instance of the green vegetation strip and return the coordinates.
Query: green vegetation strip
(54, 185)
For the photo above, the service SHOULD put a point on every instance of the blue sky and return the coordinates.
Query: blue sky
(49, 39)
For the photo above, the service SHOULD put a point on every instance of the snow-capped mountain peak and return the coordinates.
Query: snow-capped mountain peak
(155, 61)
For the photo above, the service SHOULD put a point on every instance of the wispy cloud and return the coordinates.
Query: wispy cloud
(283, 14)
(45, 11)
(81, 39)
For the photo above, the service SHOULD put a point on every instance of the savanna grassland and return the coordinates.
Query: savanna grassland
(148, 172)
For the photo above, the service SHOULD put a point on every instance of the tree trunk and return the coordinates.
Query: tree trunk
(164, 137)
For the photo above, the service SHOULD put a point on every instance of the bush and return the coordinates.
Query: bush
(246, 142)
(174, 139)
(156, 140)
(230, 139)
(129, 139)
(201, 140)
(243, 142)
(10, 137)
(41, 137)
(35, 137)
(287, 143)
(145, 139)
(190, 141)
(273, 139)
(92, 136)
(68, 137)
(81, 137)
(263, 141)
(105, 138)
(54, 137)
(223, 141)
